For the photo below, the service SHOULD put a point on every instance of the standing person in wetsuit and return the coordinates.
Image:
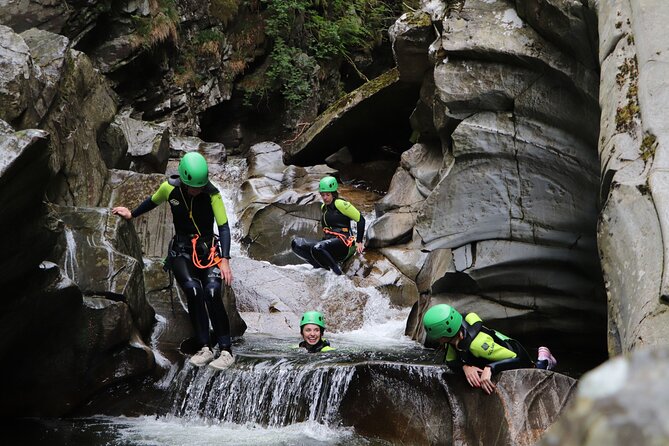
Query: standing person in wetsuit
(337, 244)
(198, 258)
(479, 351)
(312, 326)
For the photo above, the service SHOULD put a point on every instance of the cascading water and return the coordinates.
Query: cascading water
(272, 392)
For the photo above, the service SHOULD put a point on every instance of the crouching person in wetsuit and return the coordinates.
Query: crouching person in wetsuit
(312, 326)
(479, 351)
(337, 244)
(198, 258)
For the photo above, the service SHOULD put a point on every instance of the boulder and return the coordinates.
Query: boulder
(20, 79)
(421, 404)
(618, 403)
(411, 36)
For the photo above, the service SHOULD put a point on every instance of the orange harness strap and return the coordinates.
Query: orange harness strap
(348, 241)
(213, 257)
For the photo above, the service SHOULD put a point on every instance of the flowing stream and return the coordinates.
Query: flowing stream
(274, 393)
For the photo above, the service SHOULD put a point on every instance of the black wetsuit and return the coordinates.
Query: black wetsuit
(332, 249)
(322, 345)
(191, 216)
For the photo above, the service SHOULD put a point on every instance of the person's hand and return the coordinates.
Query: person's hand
(486, 383)
(122, 212)
(360, 247)
(472, 374)
(226, 272)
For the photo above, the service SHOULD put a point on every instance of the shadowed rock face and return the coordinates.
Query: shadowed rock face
(424, 405)
(375, 114)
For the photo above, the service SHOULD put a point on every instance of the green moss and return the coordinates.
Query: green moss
(648, 146)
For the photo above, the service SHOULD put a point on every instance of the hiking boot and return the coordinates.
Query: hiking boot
(224, 361)
(203, 357)
(545, 355)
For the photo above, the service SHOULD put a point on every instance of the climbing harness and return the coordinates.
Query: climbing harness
(348, 241)
(213, 258)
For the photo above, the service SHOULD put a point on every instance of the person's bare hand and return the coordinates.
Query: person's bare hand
(486, 381)
(472, 374)
(122, 212)
(226, 272)
(360, 247)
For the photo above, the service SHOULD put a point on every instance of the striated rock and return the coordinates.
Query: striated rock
(427, 405)
(618, 403)
(90, 251)
(516, 195)
(483, 28)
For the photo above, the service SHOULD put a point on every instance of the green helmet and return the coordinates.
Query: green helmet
(312, 317)
(327, 184)
(193, 170)
(442, 320)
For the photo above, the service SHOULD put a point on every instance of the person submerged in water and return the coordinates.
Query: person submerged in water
(312, 326)
(478, 350)
(337, 244)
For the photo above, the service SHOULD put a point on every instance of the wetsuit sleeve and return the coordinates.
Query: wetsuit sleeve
(224, 237)
(351, 212)
(501, 358)
(219, 209)
(360, 230)
(222, 222)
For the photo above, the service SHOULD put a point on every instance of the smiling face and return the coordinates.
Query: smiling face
(327, 197)
(311, 333)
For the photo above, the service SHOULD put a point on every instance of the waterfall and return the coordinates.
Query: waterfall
(269, 392)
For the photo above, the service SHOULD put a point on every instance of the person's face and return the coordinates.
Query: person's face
(327, 197)
(311, 333)
(194, 191)
(453, 341)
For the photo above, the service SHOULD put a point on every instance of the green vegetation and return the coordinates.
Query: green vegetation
(224, 10)
(158, 27)
(308, 34)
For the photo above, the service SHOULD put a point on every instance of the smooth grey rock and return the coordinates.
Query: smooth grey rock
(484, 28)
(620, 402)
(391, 228)
(506, 190)
(260, 286)
(439, 262)
(407, 258)
(411, 36)
(403, 192)
(21, 15)
(568, 24)
(373, 270)
(409, 398)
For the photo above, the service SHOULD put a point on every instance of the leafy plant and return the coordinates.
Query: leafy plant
(308, 34)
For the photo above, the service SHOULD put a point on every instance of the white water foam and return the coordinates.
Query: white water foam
(173, 431)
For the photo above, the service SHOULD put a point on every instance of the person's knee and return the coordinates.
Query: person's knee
(212, 290)
(191, 287)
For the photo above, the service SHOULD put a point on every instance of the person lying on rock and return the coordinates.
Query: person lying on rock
(312, 326)
(337, 244)
(478, 350)
(197, 257)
